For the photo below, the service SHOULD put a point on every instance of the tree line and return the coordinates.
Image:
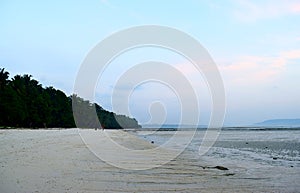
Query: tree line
(24, 102)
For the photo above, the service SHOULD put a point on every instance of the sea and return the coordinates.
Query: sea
(262, 157)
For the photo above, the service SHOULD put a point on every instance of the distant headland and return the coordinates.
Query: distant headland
(280, 123)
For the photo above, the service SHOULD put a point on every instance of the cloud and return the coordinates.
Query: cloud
(292, 54)
(249, 70)
(250, 11)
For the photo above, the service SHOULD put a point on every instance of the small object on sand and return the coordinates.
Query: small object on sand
(152, 141)
(221, 168)
(275, 158)
(229, 174)
(247, 143)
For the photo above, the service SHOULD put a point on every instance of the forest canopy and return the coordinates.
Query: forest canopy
(24, 102)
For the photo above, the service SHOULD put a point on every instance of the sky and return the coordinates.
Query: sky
(255, 45)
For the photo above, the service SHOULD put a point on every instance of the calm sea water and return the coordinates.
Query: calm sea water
(258, 160)
(272, 147)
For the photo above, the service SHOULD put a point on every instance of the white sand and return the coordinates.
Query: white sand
(59, 161)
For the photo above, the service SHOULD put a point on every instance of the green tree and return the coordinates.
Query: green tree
(25, 103)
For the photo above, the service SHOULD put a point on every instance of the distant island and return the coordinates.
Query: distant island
(25, 103)
(280, 123)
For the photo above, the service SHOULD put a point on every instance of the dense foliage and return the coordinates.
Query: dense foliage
(25, 103)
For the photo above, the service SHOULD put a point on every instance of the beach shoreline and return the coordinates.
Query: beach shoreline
(59, 161)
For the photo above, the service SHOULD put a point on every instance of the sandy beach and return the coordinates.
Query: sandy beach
(59, 161)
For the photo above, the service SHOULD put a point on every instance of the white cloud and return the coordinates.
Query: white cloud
(250, 11)
(249, 70)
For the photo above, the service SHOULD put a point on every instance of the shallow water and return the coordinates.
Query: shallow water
(280, 148)
(266, 158)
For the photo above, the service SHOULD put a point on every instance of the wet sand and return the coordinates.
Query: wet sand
(59, 161)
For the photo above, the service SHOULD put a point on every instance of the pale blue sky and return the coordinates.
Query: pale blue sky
(256, 45)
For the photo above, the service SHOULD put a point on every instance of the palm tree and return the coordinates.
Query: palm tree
(3, 78)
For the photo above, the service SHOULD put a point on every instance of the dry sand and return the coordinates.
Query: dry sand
(59, 161)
